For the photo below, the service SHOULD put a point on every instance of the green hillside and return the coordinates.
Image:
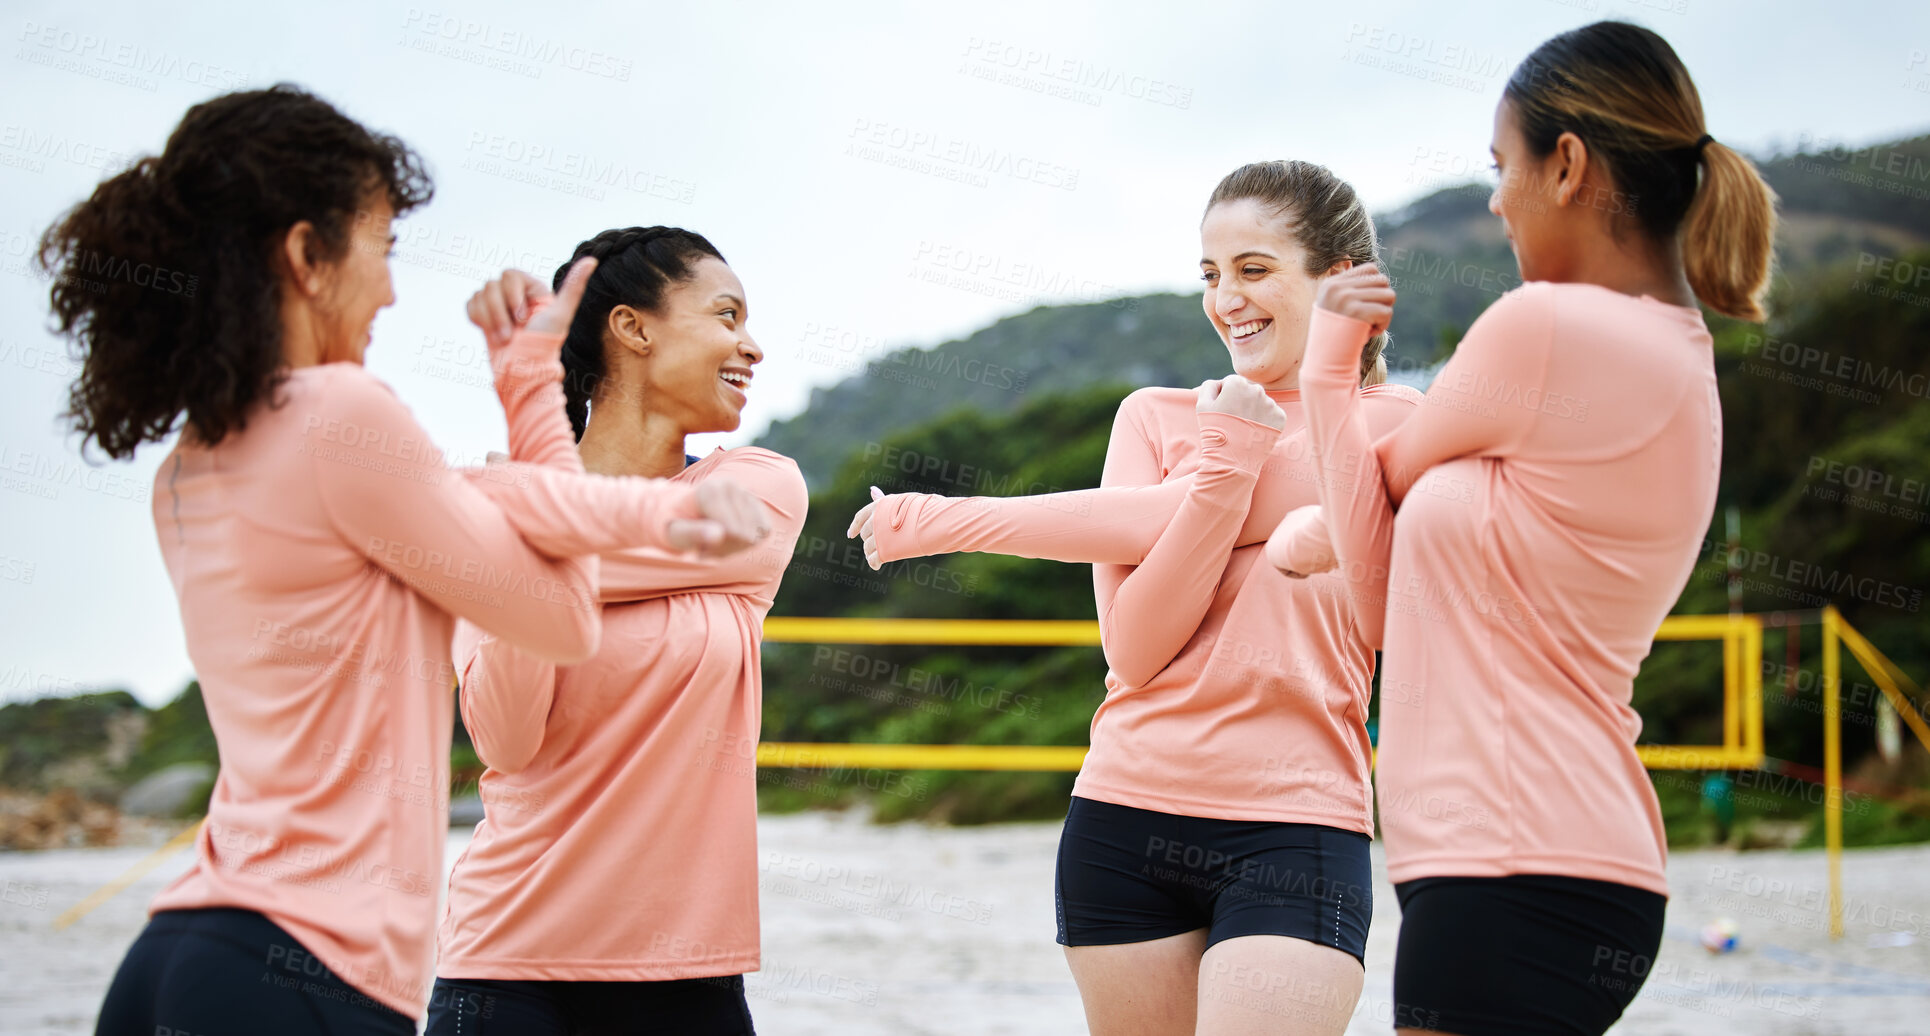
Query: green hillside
(1445, 253)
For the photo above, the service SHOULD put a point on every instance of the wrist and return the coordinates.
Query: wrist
(1334, 342)
(1235, 441)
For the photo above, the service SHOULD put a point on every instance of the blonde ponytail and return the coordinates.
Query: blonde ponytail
(1729, 237)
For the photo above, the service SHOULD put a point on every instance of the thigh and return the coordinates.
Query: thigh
(1523, 954)
(219, 971)
(1302, 881)
(491, 1007)
(1271, 984)
(712, 1006)
(1111, 885)
(1144, 988)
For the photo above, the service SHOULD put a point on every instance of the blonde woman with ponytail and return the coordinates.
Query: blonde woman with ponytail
(1550, 496)
(1213, 874)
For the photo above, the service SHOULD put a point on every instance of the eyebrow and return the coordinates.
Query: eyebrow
(728, 297)
(1243, 255)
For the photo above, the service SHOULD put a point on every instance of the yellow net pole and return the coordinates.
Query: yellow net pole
(128, 877)
(1833, 767)
(1888, 678)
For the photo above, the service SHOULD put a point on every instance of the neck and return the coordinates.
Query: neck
(300, 347)
(618, 442)
(1635, 265)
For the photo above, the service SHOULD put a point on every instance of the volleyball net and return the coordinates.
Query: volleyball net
(1740, 634)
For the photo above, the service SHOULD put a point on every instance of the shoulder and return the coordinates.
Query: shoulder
(1518, 328)
(1532, 300)
(1390, 394)
(344, 389)
(1148, 405)
(767, 473)
(757, 458)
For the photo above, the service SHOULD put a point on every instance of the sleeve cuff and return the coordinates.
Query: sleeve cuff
(1333, 348)
(1235, 440)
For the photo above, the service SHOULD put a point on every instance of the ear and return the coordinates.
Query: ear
(1571, 164)
(1339, 267)
(298, 250)
(631, 329)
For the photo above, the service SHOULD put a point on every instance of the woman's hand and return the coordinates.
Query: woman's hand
(733, 519)
(1300, 545)
(861, 526)
(514, 301)
(1237, 397)
(1360, 292)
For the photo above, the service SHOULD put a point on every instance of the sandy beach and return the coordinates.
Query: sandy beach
(912, 929)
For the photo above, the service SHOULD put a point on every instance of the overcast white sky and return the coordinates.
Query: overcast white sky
(837, 153)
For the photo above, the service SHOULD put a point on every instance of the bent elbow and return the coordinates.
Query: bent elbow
(1129, 674)
(573, 638)
(506, 758)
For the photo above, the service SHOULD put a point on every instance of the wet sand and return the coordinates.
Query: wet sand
(910, 929)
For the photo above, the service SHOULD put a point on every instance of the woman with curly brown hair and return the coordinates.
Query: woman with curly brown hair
(321, 552)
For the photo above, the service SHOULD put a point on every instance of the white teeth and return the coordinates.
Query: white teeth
(1250, 327)
(735, 378)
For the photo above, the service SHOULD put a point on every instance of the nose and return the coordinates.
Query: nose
(1228, 301)
(750, 350)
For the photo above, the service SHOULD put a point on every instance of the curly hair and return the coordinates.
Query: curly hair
(168, 278)
(634, 267)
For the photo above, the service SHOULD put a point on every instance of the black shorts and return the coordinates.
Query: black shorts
(221, 970)
(1130, 875)
(1522, 954)
(503, 1007)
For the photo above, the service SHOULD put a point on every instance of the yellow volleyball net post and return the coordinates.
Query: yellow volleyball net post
(1742, 703)
(1741, 747)
(1742, 712)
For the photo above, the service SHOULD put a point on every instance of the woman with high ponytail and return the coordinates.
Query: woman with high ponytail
(1531, 527)
(613, 885)
(320, 550)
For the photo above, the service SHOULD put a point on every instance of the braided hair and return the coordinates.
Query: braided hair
(634, 267)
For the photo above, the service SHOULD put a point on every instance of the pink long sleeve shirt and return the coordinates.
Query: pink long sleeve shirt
(320, 557)
(1234, 692)
(621, 835)
(1552, 494)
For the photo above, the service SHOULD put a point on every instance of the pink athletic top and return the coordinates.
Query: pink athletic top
(1553, 491)
(1235, 692)
(621, 837)
(320, 556)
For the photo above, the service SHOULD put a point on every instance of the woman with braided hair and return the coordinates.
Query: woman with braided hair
(613, 885)
(321, 552)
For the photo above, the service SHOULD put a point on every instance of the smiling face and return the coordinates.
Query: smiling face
(359, 286)
(1258, 293)
(698, 351)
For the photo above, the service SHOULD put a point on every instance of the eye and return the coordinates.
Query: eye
(1210, 276)
(1255, 271)
(728, 310)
